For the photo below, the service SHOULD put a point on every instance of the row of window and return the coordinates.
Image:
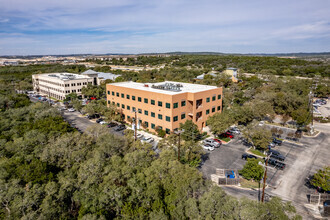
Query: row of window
(78, 84)
(152, 125)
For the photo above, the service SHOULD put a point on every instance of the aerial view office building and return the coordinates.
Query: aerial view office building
(165, 105)
(58, 85)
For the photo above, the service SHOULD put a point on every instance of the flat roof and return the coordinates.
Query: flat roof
(178, 87)
(64, 76)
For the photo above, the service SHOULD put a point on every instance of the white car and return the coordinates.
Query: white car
(148, 139)
(71, 110)
(103, 122)
(139, 136)
(208, 147)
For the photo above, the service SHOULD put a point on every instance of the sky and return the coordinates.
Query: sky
(40, 27)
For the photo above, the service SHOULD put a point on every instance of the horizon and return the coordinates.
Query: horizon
(37, 28)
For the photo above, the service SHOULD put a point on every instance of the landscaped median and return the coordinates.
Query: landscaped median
(244, 183)
(256, 153)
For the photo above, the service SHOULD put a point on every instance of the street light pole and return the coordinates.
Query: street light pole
(265, 177)
(135, 128)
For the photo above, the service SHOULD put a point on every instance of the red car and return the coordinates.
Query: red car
(217, 140)
(227, 135)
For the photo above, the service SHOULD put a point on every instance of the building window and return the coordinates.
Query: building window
(219, 96)
(168, 105)
(134, 109)
(133, 97)
(108, 102)
(168, 131)
(128, 117)
(153, 126)
(145, 100)
(139, 99)
(108, 92)
(213, 109)
(139, 110)
(118, 104)
(128, 107)
(208, 99)
(153, 114)
(168, 118)
(160, 104)
(122, 106)
(175, 118)
(213, 98)
(175, 105)
(117, 94)
(152, 102)
(146, 124)
(145, 112)
(113, 93)
(127, 96)
(219, 107)
(160, 116)
(113, 103)
(183, 103)
(122, 95)
(208, 111)
(183, 116)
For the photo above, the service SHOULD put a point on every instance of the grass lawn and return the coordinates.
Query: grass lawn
(256, 152)
(225, 139)
(250, 184)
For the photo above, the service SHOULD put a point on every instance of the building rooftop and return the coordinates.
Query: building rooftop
(167, 87)
(101, 75)
(65, 76)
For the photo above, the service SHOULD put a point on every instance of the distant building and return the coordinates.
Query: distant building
(212, 73)
(100, 76)
(231, 72)
(165, 105)
(58, 85)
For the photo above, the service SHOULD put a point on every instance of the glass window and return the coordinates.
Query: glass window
(118, 104)
(160, 103)
(127, 96)
(168, 105)
(208, 111)
(123, 106)
(145, 112)
(134, 109)
(145, 100)
(122, 95)
(168, 118)
(128, 107)
(167, 131)
(113, 93)
(139, 110)
(139, 99)
(153, 126)
(108, 92)
(117, 94)
(208, 99)
(160, 116)
(108, 102)
(175, 105)
(146, 124)
(183, 103)
(175, 118)
(133, 97)
(219, 107)
(153, 114)
(213, 98)
(152, 102)
(219, 96)
(213, 109)
(183, 116)
(128, 117)
(113, 103)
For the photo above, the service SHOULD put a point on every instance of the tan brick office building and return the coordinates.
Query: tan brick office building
(165, 104)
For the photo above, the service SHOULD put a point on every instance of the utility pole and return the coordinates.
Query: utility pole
(135, 127)
(265, 177)
(179, 144)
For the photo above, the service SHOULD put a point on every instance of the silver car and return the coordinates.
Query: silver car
(211, 142)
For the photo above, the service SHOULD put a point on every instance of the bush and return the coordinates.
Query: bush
(252, 170)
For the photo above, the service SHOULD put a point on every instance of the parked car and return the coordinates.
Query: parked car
(226, 135)
(139, 136)
(234, 130)
(248, 156)
(277, 141)
(208, 147)
(274, 152)
(99, 120)
(147, 139)
(278, 157)
(276, 164)
(103, 122)
(272, 144)
(71, 110)
(217, 140)
(93, 116)
(211, 142)
(120, 128)
(112, 124)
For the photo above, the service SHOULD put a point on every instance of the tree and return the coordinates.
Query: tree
(219, 122)
(301, 116)
(70, 97)
(190, 130)
(257, 135)
(252, 170)
(321, 179)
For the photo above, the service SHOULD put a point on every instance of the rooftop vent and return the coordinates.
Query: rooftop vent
(169, 87)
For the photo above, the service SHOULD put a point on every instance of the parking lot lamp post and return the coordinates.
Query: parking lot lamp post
(265, 177)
